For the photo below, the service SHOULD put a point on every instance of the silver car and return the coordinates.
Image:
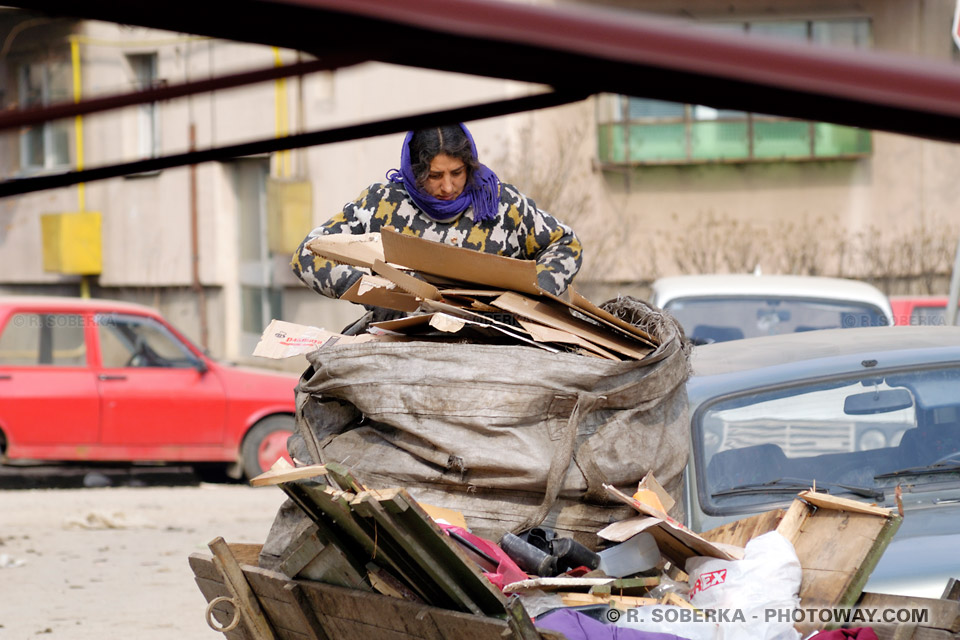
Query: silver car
(721, 307)
(855, 412)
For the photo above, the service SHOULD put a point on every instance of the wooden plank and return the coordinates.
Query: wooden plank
(558, 318)
(826, 501)
(277, 476)
(741, 531)
(576, 599)
(246, 553)
(942, 614)
(520, 622)
(366, 505)
(454, 558)
(252, 614)
(358, 540)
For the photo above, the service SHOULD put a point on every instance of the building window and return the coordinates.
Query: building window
(47, 145)
(641, 131)
(144, 68)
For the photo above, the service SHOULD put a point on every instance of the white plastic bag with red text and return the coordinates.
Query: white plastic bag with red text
(754, 597)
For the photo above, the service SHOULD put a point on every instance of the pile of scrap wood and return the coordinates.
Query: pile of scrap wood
(456, 294)
(378, 564)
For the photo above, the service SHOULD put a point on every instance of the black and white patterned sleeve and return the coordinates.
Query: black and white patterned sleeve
(325, 276)
(552, 244)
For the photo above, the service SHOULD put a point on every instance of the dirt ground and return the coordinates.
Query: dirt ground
(111, 563)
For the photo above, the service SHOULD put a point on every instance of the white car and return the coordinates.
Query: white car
(718, 308)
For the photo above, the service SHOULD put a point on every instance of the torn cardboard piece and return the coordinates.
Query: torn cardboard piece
(360, 250)
(542, 333)
(285, 339)
(559, 318)
(675, 541)
(458, 263)
(376, 291)
(405, 281)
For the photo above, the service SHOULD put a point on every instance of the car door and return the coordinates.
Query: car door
(156, 395)
(49, 405)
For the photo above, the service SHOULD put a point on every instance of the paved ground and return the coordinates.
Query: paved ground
(111, 563)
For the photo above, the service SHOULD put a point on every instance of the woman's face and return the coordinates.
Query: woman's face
(447, 177)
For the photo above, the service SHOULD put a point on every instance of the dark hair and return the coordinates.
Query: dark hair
(426, 144)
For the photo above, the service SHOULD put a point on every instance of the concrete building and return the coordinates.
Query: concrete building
(652, 188)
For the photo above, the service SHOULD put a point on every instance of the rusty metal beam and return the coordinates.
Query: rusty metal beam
(328, 136)
(27, 117)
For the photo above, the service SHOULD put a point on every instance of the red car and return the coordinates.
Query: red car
(919, 310)
(100, 380)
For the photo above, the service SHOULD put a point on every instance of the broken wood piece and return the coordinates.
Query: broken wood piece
(357, 250)
(838, 545)
(402, 520)
(739, 532)
(520, 622)
(386, 584)
(376, 291)
(574, 599)
(344, 479)
(827, 501)
(675, 600)
(279, 475)
(251, 612)
(406, 281)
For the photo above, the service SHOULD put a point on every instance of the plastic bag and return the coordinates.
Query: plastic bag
(755, 596)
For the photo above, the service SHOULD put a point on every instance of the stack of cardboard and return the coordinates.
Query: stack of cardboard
(451, 293)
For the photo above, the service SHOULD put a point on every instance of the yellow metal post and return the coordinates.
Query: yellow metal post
(281, 122)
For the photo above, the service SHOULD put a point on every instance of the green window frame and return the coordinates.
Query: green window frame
(639, 131)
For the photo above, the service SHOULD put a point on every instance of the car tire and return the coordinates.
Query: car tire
(264, 443)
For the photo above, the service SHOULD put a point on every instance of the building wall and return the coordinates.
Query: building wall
(636, 225)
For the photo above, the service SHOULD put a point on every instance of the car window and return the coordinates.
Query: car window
(844, 432)
(934, 316)
(43, 339)
(131, 341)
(719, 319)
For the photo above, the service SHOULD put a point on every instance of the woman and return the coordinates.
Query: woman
(443, 193)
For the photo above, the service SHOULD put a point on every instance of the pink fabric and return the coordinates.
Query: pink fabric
(507, 570)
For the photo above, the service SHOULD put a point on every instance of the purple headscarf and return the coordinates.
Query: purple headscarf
(482, 191)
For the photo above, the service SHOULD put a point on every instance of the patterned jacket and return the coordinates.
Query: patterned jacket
(520, 230)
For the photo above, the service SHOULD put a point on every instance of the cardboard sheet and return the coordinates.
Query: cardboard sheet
(675, 541)
(559, 318)
(458, 263)
(376, 291)
(285, 339)
(542, 333)
(358, 250)
(406, 281)
(593, 310)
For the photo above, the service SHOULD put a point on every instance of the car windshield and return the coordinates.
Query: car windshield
(718, 319)
(859, 437)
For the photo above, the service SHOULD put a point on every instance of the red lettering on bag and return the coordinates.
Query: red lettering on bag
(707, 580)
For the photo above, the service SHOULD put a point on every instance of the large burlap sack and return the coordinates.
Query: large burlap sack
(512, 436)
